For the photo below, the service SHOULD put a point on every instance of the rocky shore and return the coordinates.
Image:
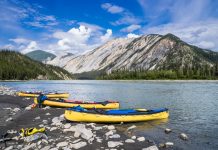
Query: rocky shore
(16, 113)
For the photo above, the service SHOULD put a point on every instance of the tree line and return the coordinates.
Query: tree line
(15, 66)
(205, 72)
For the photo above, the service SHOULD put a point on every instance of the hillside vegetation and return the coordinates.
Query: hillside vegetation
(15, 66)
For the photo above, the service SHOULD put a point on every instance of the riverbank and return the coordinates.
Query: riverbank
(15, 114)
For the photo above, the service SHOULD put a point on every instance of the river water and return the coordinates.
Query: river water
(193, 105)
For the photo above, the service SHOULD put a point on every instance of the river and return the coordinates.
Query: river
(193, 105)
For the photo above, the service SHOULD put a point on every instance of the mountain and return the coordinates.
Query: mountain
(40, 55)
(15, 66)
(61, 60)
(145, 53)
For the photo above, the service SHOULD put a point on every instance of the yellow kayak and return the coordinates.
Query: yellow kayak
(88, 105)
(115, 116)
(49, 95)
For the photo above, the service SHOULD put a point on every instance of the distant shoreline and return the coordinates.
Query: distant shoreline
(118, 80)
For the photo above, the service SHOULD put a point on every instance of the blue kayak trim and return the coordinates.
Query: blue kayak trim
(120, 111)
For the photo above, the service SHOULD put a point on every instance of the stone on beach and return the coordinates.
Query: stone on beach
(61, 116)
(11, 131)
(16, 138)
(97, 128)
(39, 142)
(9, 119)
(47, 107)
(133, 137)
(169, 144)
(132, 127)
(109, 133)
(115, 136)
(66, 148)
(9, 148)
(54, 148)
(80, 130)
(37, 118)
(19, 146)
(91, 124)
(31, 146)
(86, 134)
(56, 120)
(76, 141)
(44, 141)
(16, 109)
(113, 144)
(45, 121)
(67, 126)
(141, 139)
(78, 145)
(46, 148)
(99, 140)
(28, 107)
(8, 108)
(77, 134)
(111, 127)
(167, 130)
(47, 114)
(129, 141)
(62, 144)
(41, 125)
(183, 136)
(161, 145)
(154, 147)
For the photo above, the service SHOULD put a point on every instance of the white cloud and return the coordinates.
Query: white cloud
(23, 45)
(202, 34)
(45, 18)
(30, 47)
(127, 19)
(8, 46)
(207, 44)
(131, 35)
(75, 39)
(43, 21)
(114, 9)
(20, 40)
(93, 27)
(107, 36)
(126, 16)
(131, 28)
(78, 40)
(71, 22)
(194, 21)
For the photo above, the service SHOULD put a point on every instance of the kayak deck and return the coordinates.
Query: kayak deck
(104, 117)
(88, 105)
(49, 95)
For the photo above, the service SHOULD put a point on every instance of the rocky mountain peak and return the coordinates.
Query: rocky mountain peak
(147, 52)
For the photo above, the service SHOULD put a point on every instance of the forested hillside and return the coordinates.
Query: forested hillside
(15, 66)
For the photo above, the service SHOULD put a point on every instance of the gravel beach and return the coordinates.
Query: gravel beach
(16, 113)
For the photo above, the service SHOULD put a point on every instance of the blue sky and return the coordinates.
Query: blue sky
(82, 25)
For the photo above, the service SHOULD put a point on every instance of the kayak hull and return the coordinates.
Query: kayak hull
(102, 118)
(110, 105)
(58, 95)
